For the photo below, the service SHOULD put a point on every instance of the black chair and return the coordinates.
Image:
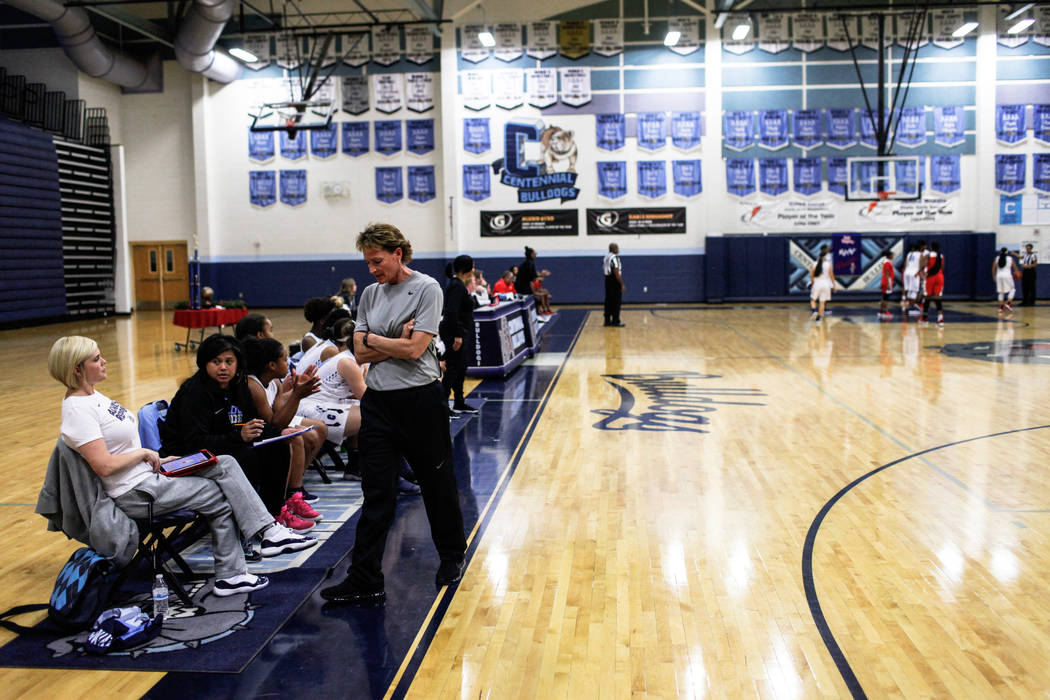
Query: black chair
(162, 536)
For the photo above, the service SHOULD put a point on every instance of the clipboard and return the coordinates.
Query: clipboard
(278, 438)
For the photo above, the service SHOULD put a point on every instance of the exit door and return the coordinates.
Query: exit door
(161, 274)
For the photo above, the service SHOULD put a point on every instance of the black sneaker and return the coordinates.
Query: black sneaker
(250, 552)
(346, 592)
(309, 497)
(406, 487)
(449, 572)
(464, 407)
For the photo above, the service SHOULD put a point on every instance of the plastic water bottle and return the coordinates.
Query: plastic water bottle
(160, 597)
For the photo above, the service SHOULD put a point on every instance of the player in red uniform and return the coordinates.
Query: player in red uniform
(934, 282)
(888, 274)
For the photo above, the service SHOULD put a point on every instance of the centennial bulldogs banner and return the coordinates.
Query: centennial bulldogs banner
(945, 174)
(355, 138)
(1010, 124)
(419, 91)
(541, 87)
(637, 220)
(260, 146)
(808, 180)
(652, 178)
(911, 129)
(388, 136)
(355, 94)
(806, 123)
(610, 131)
(386, 44)
(740, 176)
(530, 222)
(324, 143)
(608, 37)
(476, 137)
(356, 50)
(293, 187)
(949, 126)
(476, 183)
(1041, 124)
(739, 130)
(1010, 172)
(650, 131)
(686, 176)
(772, 176)
(685, 130)
(477, 89)
(293, 149)
(508, 41)
(262, 188)
(541, 39)
(389, 90)
(841, 128)
(612, 179)
(575, 85)
(508, 87)
(419, 135)
(838, 176)
(688, 29)
(422, 185)
(389, 188)
(772, 128)
(807, 31)
(419, 44)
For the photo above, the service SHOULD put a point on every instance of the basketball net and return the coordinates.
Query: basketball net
(884, 195)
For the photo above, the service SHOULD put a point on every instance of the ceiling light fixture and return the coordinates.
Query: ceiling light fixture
(741, 31)
(244, 55)
(486, 38)
(1021, 26)
(1020, 11)
(721, 19)
(672, 38)
(965, 29)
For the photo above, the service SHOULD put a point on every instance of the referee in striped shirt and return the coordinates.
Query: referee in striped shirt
(1029, 262)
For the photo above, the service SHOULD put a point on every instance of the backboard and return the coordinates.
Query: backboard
(875, 178)
(293, 116)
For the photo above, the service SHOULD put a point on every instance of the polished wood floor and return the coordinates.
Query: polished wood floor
(861, 513)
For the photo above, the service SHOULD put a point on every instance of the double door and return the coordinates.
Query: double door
(161, 272)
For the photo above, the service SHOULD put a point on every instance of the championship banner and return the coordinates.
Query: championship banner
(1041, 30)
(476, 89)
(386, 44)
(772, 176)
(389, 188)
(944, 23)
(530, 222)
(262, 188)
(808, 179)
(324, 143)
(389, 89)
(639, 220)
(356, 50)
(289, 54)
(610, 131)
(1010, 172)
(612, 179)
(1041, 172)
(739, 130)
(260, 146)
(293, 187)
(419, 91)
(688, 29)
(541, 87)
(471, 48)
(419, 44)
(326, 90)
(686, 128)
(574, 38)
(575, 85)
(1041, 124)
(842, 31)
(869, 32)
(476, 138)
(331, 55)
(911, 129)
(652, 178)
(476, 183)
(422, 185)
(945, 174)
(845, 252)
(841, 128)
(838, 176)
(738, 47)
(649, 130)
(1010, 127)
(910, 175)
(388, 136)
(293, 149)
(508, 87)
(806, 128)
(868, 122)
(541, 40)
(772, 128)
(419, 136)
(355, 94)
(905, 21)
(355, 138)
(740, 176)
(949, 126)
(773, 35)
(807, 31)
(608, 37)
(259, 46)
(508, 41)
(686, 177)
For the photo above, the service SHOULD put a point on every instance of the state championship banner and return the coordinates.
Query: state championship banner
(612, 179)
(355, 138)
(841, 128)
(1041, 172)
(868, 127)
(389, 89)
(808, 178)
(773, 34)
(530, 222)
(476, 89)
(652, 178)
(911, 129)
(541, 39)
(740, 176)
(419, 91)
(910, 175)
(772, 128)
(739, 130)
(610, 131)
(419, 136)
(686, 176)
(476, 137)
(608, 36)
(1010, 127)
(508, 41)
(324, 143)
(471, 49)
(422, 185)
(575, 85)
(636, 220)
(293, 187)
(686, 128)
(807, 31)
(386, 44)
(476, 182)
(419, 44)
(262, 188)
(574, 38)
(293, 148)
(355, 94)
(541, 87)
(1010, 172)
(1041, 124)
(388, 136)
(260, 146)
(945, 174)
(650, 130)
(772, 176)
(259, 46)
(357, 49)
(389, 187)
(806, 128)
(508, 87)
(949, 126)
(838, 176)
(688, 29)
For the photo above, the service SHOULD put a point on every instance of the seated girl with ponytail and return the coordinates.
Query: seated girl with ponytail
(342, 383)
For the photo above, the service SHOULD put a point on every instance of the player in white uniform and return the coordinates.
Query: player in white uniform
(342, 382)
(1003, 270)
(912, 267)
(822, 278)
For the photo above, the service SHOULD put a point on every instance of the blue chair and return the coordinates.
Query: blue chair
(150, 417)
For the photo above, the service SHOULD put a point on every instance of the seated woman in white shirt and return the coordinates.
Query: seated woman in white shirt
(316, 354)
(106, 436)
(337, 404)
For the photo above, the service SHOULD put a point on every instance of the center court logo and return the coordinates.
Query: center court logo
(674, 401)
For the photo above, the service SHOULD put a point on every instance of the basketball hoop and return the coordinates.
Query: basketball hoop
(884, 195)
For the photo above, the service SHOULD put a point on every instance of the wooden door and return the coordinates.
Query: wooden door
(161, 274)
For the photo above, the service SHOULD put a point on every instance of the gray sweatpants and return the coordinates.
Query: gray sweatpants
(221, 493)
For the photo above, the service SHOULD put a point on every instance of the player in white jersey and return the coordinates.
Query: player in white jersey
(912, 282)
(822, 279)
(342, 383)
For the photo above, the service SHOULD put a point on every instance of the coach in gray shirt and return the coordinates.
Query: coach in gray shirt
(404, 413)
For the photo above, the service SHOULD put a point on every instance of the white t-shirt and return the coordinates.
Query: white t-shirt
(313, 355)
(88, 418)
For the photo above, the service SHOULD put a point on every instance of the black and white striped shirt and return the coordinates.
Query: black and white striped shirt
(1029, 259)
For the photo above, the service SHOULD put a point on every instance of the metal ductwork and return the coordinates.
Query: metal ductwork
(80, 42)
(195, 42)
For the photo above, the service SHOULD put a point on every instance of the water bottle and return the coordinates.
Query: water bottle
(160, 597)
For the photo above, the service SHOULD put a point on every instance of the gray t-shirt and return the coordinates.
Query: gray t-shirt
(383, 309)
